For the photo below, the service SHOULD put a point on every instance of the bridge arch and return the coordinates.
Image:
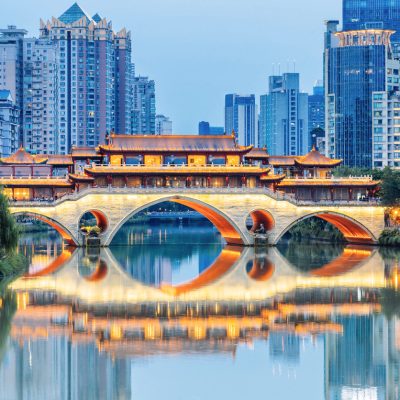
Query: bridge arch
(352, 230)
(258, 217)
(101, 219)
(229, 230)
(67, 236)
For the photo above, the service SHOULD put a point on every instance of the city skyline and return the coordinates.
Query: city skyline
(260, 22)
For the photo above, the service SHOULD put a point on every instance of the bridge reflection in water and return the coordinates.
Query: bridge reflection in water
(93, 311)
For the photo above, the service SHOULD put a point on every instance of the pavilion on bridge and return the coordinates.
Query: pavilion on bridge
(178, 161)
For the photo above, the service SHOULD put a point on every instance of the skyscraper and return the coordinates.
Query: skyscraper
(93, 77)
(206, 129)
(316, 116)
(9, 124)
(357, 64)
(144, 106)
(284, 116)
(163, 125)
(372, 14)
(40, 95)
(11, 61)
(241, 117)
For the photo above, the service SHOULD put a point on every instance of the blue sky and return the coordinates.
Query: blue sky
(198, 50)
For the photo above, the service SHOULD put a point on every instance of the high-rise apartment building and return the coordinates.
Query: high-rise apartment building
(283, 126)
(357, 64)
(11, 61)
(163, 125)
(241, 117)
(373, 14)
(9, 124)
(93, 77)
(40, 96)
(144, 106)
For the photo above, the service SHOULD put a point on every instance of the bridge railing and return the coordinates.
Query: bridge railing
(279, 196)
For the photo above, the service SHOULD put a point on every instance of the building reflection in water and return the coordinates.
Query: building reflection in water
(68, 340)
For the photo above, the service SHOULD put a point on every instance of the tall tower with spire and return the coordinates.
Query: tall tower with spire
(93, 77)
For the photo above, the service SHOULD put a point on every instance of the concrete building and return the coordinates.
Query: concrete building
(241, 117)
(386, 129)
(40, 97)
(163, 125)
(206, 129)
(357, 65)
(11, 61)
(93, 77)
(284, 116)
(9, 124)
(144, 106)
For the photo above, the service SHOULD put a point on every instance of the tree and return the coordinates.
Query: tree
(8, 229)
(390, 187)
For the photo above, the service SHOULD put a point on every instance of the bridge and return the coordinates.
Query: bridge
(228, 209)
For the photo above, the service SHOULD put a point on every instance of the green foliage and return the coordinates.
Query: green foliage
(8, 228)
(11, 264)
(315, 229)
(390, 187)
(93, 231)
(389, 237)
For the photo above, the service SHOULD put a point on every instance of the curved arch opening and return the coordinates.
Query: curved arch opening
(345, 229)
(227, 228)
(93, 220)
(64, 233)
(260, 221)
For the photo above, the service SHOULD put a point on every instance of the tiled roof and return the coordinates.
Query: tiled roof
(257, 153)
(77, 177)
(85, 152)
(315, 158)
(281, 160)
(329, 182)
(177, 170)
(59, 159)
(21, 156)
(35, 182)
(174, 143)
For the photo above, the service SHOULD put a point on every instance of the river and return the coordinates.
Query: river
(171, 312)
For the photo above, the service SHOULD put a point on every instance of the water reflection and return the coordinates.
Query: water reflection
(316, 322)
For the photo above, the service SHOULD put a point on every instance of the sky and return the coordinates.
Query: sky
(199, 50)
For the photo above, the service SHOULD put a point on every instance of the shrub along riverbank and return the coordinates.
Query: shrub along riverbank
(11, 264)
(316, 230)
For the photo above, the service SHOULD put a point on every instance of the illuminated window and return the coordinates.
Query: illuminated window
(153, 160)
(197, 160)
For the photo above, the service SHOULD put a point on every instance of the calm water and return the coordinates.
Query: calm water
(171, 312)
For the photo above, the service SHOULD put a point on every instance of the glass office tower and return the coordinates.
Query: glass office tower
(357, 64)
(373, 14)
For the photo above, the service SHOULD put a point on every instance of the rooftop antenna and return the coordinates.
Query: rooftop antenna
(294, 65)
(279, 68)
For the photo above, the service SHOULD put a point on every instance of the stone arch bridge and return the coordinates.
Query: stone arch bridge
(227, 209)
